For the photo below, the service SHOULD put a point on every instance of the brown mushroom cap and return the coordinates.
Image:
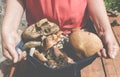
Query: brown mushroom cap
(85, 43)
(39, 29)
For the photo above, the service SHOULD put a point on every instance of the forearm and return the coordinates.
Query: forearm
(97, 12)
(12, 17)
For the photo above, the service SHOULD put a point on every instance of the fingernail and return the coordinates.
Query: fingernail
(112, 56)
(15, 61)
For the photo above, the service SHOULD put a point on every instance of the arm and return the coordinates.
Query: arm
(97, 12)
(12, 17)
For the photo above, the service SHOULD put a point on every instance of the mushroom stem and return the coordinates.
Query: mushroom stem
(39, 55)
(31, 44)
(57, 52)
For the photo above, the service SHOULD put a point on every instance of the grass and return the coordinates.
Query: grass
(112, 5)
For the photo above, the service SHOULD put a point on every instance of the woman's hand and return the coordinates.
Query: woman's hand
(111, 46)
(103, 28)
(11, 20)
(9, 43)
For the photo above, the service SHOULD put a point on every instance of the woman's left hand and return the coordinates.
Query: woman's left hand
(111, 46)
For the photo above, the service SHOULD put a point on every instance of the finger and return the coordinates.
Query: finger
(103, 52)
(99, 53)
(19, 54)
(112, 50)
(115, 50)
(7, 54)
(14, 54)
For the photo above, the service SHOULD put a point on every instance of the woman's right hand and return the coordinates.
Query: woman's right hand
(11, 20)
(9, 43)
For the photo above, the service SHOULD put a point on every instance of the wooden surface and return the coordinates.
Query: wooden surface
(104, 67)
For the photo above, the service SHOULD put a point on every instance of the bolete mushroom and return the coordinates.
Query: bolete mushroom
(85, 43)
(43, 41)
(39, 29)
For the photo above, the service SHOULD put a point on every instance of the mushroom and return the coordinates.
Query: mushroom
(41, 41)
(31, 44)
(39, 29)
(36, 53)
(85, 43)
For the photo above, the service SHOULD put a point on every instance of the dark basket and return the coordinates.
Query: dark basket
(33, 67)
(37, 69)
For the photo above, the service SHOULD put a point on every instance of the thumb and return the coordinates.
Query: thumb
(110, 51)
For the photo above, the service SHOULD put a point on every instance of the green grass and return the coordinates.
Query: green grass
(112, 5)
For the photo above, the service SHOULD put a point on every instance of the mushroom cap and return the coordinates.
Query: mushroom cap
(41, 28)
(85, 43)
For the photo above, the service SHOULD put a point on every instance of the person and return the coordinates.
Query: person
(68, 14)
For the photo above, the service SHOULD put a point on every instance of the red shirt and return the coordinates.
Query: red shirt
(67, 14)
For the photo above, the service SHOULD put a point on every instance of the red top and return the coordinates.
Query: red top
(67, 14)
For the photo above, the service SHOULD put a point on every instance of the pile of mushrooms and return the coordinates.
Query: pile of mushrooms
(44, 37)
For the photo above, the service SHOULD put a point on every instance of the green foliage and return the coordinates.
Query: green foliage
(112, 5)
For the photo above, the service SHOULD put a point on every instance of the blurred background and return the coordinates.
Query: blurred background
(112, 5)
